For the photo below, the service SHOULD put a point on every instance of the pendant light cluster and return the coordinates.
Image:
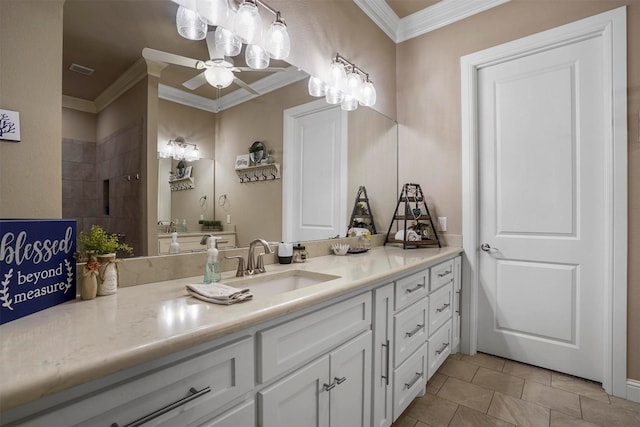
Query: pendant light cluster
(235, 28)
(179, 150)
(348, 85)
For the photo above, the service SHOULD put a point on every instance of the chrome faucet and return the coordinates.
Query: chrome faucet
(252, 266)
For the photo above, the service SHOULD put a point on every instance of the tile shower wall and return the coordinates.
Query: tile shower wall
(102, 185)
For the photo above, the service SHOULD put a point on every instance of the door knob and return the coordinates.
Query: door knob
(487, 247)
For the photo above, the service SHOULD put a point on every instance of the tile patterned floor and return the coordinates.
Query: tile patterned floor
(484, 390)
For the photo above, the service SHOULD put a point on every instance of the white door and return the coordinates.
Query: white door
(541, 208)
(315, 174)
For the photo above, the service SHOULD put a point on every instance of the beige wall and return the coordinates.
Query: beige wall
(428, 86)
(31, 83)
(79, 125)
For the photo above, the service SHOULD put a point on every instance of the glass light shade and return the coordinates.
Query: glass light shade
(166, 151)
(368, 94)
(227, 42)
(191, 153)
(189, 24)
(248, 24)
(337, 76)
(277, 41)
(334, 95)
(213, 12)
(256, 57)
(219, 77)
(349, 103)
(354, 85)
(317, 87)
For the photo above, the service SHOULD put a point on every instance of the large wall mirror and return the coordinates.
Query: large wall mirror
(103, 154)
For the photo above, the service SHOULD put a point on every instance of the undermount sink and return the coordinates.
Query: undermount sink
(277, 283)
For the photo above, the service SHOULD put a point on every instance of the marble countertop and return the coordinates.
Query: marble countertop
(79, 341)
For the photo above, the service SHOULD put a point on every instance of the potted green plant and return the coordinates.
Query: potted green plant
(98, 246)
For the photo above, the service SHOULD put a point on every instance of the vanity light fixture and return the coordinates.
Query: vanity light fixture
(235, 28)
(178, 149)
(348, 85)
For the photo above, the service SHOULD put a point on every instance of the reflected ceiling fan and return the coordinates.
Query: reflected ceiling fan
(219, 70)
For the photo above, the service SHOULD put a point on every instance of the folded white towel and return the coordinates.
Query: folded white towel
(218, 293)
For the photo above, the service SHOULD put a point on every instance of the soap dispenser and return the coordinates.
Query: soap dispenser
(174, 247)
(212, 267)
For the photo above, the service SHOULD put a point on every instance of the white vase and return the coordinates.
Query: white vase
(108, 277)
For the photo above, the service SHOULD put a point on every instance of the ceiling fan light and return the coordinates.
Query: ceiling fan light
(349, 103)
(368, 94)
(248, 24)
(256, 57)
(189, 24)
(337, 75)
(218, 77)
(334, 95)
(213, 12)
(277, 41)
(227, 42)
(317, 87)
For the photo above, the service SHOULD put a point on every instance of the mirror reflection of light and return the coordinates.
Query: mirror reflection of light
(175, 316)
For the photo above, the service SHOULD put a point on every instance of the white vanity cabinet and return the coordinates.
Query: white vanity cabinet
(178, 393)
(332, 383)
(331, 391)
(416, 326)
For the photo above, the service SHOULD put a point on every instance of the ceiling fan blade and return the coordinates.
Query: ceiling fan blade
(268, 69)
(170, 58)
(211, 46)
(245, 86)
(195, 82)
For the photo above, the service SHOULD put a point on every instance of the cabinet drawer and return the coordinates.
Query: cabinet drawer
(288, 345)
(411, 288)
(441, 274)
(178, 394)
(440, 307)
(243, 415)
(439, 348)
(410, 329)
(409, 380)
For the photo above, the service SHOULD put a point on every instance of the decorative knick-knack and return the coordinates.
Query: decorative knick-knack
(89, 285)
(108, 278)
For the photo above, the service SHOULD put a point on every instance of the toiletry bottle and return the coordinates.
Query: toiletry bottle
(212, 267)
(174, 247)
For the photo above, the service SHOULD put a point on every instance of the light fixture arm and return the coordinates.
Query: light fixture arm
(350, 66)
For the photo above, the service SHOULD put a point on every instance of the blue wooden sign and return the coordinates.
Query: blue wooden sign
(37, 268)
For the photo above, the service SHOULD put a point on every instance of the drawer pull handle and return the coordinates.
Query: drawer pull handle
(194, 395)
(443, 308)
(386, 375)
(446, 273)
(415, 331)
(328, 387)
(412, 290)
(413, 381)
(444, 347)
(340, 380)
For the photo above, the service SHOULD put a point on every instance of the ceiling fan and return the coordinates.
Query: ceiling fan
(219, 70)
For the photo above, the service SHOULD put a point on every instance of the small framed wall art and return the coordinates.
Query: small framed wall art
(242, 161)
(9, 125)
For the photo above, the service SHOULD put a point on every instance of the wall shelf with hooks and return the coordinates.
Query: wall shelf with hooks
(180, 184)
(267, 172)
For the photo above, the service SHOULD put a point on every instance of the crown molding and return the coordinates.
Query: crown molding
(265, 85)
(170, 93)
(79, 104)
(382, 14)
(443, 13)
(126, 81)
